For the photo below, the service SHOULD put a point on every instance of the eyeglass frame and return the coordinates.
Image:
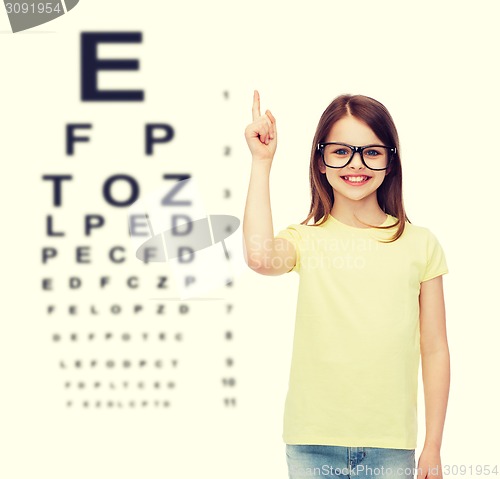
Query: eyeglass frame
(354, 150)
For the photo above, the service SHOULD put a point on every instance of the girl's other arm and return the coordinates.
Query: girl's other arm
(435, 370)
(263, 253)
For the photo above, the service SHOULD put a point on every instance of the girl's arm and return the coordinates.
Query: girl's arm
(263, 253)
(435, 370)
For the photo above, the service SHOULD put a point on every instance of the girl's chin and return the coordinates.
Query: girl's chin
(353, 192)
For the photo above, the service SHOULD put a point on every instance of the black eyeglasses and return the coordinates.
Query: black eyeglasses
(338, 155)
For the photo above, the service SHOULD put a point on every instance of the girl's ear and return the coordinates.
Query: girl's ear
(321, 166)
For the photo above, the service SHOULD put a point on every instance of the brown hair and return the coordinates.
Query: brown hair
(389, 193)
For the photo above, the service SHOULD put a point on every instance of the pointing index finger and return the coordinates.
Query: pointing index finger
(256, 105)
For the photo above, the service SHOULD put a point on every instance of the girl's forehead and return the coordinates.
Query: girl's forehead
(350, 129)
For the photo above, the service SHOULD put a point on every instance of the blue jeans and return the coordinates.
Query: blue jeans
(315, 461)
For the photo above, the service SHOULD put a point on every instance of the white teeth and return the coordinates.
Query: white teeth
(355, 178)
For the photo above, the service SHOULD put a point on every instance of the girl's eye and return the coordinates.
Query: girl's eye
(341, 152)
(372, 153)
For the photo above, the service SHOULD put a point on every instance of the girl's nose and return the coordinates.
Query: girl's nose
(356, 161)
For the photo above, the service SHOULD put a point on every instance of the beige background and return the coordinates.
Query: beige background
(433, 64)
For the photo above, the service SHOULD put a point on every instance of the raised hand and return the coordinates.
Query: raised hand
(261, 135)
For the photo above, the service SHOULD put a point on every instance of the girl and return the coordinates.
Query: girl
(370, 300)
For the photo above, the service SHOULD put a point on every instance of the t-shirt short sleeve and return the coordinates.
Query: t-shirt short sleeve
(292, 233)
(436, 261)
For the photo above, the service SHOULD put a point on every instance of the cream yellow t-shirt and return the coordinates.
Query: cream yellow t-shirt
(356, 348)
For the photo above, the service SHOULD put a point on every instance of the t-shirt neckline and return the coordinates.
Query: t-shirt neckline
(388, 220)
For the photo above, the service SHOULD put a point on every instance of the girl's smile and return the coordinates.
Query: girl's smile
(356, 180)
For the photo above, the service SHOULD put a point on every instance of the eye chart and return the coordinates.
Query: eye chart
(135, 341)
(133, 316)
